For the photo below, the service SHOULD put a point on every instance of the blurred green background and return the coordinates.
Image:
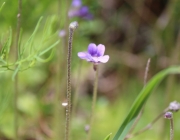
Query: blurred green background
(132, 32)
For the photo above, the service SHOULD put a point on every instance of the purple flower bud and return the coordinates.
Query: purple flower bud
(62, 33)
(168, 115)
(94, 54)
(77, 10)
(87, 127)
(174, 106)
(76, 3)
(84, 13)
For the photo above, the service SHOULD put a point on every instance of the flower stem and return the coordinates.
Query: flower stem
(171, 129)
(72, 28)
(147, 127)
(169, 116)
(16, 89)
(93, 102)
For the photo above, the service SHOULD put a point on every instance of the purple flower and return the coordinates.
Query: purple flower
(84, 13)
(77, 10)
(94, 54)
(62, 33)
(76, 3)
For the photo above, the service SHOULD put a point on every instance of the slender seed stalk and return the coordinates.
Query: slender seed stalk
(169, 116)
(146, 71)
(147, 127)
(142, 110)
(93, 102)
(16, 89)
(72, 28)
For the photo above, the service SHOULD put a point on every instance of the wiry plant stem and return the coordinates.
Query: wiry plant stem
(142, 110)
(93, 102)
(147, 127)
(146, 71)
(72, 28)
(171, 129)
(16, 90)
(169, 116)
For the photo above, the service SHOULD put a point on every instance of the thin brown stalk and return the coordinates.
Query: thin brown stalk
(141, 112)
(72, 28)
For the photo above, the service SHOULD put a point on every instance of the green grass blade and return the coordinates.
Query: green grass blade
(2, 6)
(47, 59)
(108, 136)
(141, 99)
(49, 48)
(15, 72)
(9, 41)
(29, 43)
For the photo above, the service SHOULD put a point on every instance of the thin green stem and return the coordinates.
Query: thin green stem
(171, 129)
(147, 127)
(93, 103)
(72, 28)
(16, 89)
(169, 116)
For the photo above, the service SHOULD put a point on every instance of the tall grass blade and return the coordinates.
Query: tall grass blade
(108, 136)
(141, 99)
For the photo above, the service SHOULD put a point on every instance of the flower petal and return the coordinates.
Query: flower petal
(84, 13)
(73, 12)
(76, 3)
(95, 60)
(82, 55)
(103, 59)
(85, 55)
(92, 49)
(100, 50)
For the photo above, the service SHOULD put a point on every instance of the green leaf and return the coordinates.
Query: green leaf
(141, 99)
(4, 103)
(29, 43)
(2, 6)
(47, 59)
(8, 44)
(15, 72)
(20, 52)
(6, 47)
(108, 137)
(49, 48)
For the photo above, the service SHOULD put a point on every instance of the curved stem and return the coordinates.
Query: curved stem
(147, 127)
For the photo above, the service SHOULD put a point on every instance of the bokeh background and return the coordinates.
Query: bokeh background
(132, 32)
